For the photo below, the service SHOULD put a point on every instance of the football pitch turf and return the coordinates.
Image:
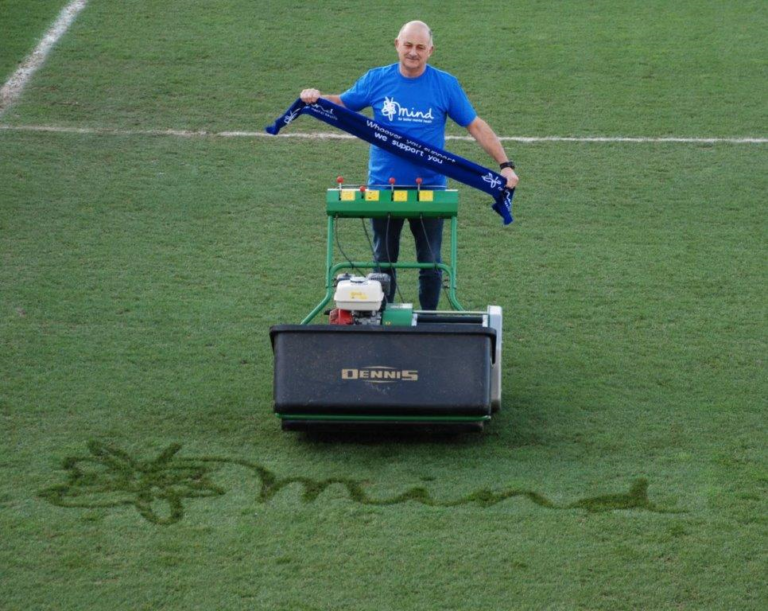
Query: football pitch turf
(142, 467)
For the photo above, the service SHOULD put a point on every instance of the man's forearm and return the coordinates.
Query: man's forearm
(487, 139)
(491, 144)
(333, 98)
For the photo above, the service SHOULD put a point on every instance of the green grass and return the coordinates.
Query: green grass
(143, 467)
(606, 68)
(22, 25)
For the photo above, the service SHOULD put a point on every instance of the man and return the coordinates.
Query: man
(415, 99)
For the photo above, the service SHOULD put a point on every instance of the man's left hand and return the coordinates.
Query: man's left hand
(511, 177)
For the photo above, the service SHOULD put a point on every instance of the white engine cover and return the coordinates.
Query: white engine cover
(358, 293)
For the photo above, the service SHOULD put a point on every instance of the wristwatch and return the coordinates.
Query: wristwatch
(507, 164)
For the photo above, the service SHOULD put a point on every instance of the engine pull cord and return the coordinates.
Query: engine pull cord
(336, 232)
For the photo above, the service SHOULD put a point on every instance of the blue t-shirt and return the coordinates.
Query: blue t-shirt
(413, 106)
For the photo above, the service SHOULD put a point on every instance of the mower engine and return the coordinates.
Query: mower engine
(359, 300)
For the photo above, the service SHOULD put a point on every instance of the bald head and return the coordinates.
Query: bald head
(414, 48)
(413, 27)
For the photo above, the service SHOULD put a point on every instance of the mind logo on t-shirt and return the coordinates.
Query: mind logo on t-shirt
(392, 108)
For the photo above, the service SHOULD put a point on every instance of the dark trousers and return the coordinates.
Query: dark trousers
(428, 234)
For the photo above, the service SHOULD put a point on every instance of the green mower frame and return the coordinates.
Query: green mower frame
(393, 203)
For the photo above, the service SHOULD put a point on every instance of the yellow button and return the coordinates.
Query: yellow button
(348, 195)
(426, 196)
(372, 196)
(400, 196)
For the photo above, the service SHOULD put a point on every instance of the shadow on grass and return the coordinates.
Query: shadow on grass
(374, 436)
(518, 434)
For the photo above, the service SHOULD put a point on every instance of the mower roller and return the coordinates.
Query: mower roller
(378, 363)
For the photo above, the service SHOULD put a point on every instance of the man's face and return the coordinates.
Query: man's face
(414, 48)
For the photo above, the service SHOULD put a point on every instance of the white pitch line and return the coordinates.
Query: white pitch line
(639, 139)
(182, 133)
(13, 87)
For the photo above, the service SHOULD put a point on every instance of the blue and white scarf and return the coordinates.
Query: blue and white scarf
(414, 150)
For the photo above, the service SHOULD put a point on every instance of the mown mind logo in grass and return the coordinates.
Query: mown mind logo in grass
(111, 478)
(108, 477)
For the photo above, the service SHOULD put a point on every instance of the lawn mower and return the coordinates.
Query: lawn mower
(379, 363)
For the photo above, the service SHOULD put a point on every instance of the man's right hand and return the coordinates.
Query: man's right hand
(310, 96)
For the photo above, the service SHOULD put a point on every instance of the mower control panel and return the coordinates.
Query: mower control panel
(403, 202)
